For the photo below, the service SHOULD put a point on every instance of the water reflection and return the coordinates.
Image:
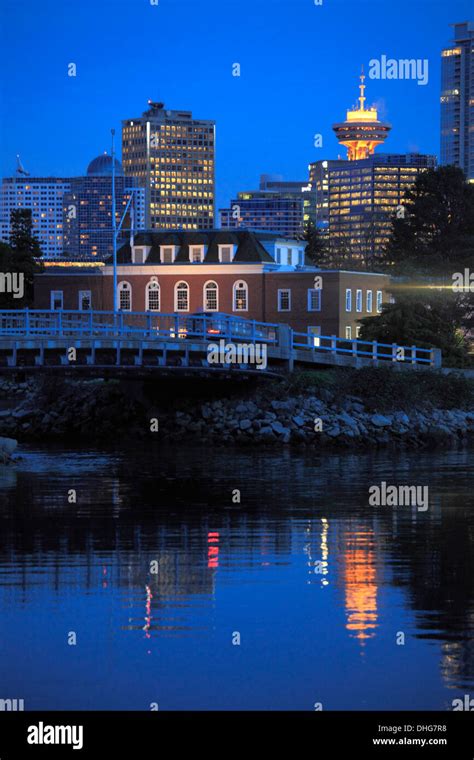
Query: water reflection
(158, 559)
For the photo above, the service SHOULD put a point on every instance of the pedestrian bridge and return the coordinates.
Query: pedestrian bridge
(144, 342)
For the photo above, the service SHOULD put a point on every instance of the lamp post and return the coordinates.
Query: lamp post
(114, 223)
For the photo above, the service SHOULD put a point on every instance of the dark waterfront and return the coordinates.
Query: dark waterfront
(317, 583)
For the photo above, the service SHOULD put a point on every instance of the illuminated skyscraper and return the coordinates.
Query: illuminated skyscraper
(277, 206)
(44, 196)
(171, 155)
(87, 213)
(356, 200)
(457, 100)
(362, 131)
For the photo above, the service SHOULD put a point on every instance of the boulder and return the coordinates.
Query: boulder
(8, 446)
(380, 420)
(299, 421)
(279, 429)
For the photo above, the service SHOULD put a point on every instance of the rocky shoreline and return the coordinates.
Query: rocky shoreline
(104, 410)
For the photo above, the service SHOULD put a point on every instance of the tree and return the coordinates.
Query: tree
(21, 258)
(435, 234)
(424, 318)
(316, 251)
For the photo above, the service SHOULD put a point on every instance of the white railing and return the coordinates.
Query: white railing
(124, 324)
(367, 349)
(41, 323)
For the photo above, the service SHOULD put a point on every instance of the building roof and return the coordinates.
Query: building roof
(102, 166)
(249, 248)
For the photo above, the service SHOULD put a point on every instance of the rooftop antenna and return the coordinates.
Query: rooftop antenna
(362, 89)
(20, 168)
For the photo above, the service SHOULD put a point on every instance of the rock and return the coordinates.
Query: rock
(22, 414)
(279, 429)
(401, 418)
(380, 420)
(270, 416)
(8, 445)
(287, 405)
(299, 421)
(347, 419)
(325, 395)
(206, 412)
(245, 424)
(266, 434)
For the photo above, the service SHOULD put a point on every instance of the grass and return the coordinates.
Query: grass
(382, 389)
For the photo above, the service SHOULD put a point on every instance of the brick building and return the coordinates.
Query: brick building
(253, 275)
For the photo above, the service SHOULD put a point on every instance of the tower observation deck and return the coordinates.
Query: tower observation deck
(362, 131)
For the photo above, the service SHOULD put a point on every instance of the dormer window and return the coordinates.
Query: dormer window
(168, 254)
(140, 254)
(226, 253)
(196, 253)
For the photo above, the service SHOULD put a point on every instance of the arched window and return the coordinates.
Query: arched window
(181, 296)
(211, 297)
(124, 296)
(241, 293)
(152, 297)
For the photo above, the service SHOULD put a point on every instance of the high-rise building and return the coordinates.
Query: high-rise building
(88, 210)
(171, 155)
(358, 199)
(44, 196)
(457, 100)
(281, 207)
(362, 130)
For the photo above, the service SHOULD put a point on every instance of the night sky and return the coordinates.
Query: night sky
(299, 68)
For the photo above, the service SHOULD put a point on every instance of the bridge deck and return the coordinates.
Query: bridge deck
(36, 338)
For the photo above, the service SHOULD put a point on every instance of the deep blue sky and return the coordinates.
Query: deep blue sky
(299, 67)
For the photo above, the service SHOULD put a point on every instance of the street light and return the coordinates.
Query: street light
(117, 228)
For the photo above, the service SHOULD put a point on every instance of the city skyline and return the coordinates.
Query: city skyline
(251, 137)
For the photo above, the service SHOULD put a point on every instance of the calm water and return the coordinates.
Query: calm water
(226, 568)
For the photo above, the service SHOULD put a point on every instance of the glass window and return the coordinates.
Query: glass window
(240, 296)
(197, 253)
(314, 334)
(152, 300)
(85, 300)
(167, 254)
(359, 300)
(211, 297)
(284, 300)
(348, 332)
(314, 299)
(56, 299)
(348, 299)
(225, 253)
(181, 299)
(369, 305)
(125, 296)
(379, 301)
